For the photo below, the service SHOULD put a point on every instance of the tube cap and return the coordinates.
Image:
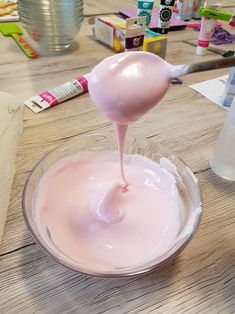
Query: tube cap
(201, 51)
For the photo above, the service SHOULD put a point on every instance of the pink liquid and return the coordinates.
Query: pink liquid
(120, 130)
(150, 210)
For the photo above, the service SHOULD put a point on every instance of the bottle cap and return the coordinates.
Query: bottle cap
(201, 51)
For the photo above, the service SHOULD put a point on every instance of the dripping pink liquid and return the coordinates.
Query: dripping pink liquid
(122, 88)
(120, 130)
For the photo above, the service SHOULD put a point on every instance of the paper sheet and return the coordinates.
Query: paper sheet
(212, 89)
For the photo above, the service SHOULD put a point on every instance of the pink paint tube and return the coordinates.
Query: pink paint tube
(206, 31)
(58, 94)
(205, 35)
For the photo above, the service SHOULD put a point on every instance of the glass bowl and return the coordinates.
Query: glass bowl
(187, 185)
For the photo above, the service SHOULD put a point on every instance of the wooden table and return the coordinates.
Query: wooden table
(201, 279)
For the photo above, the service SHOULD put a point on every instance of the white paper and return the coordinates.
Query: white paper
(212, 89)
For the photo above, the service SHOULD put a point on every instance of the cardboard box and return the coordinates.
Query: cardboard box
(111, 31)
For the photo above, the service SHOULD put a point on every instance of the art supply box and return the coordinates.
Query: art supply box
(111, 31)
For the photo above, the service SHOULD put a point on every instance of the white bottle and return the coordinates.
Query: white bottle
(222, 161)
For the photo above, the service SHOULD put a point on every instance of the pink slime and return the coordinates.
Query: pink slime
(122, 88)
(127, 85)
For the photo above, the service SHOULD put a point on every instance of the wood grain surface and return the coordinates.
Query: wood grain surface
(201, 279)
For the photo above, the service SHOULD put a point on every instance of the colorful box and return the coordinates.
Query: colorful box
(111, 30)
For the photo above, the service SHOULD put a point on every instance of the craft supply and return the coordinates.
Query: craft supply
(57, 94)
(144, 8)
(175, 23)
(134, 33)
(14, 30)
(212, 89)
(207, 26)
(196, 5)
(221, 52)
(185, 9)
(222, 161)
(165, 15)
(111, 30)
(221, 36)
(229, 92)
(11, 125)
(206, 30)
(155, 43)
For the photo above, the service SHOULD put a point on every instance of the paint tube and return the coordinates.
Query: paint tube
(58, 94)
(210, 14)
(144, 8)
(164, 17)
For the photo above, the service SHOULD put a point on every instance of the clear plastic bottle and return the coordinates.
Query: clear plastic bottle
(222, 160)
